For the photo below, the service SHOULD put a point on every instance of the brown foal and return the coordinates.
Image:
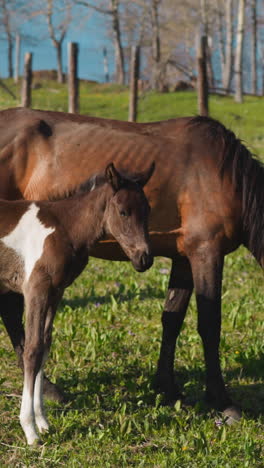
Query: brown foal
(44, 246)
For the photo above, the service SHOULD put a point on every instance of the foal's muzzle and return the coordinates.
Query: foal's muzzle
(144, 262)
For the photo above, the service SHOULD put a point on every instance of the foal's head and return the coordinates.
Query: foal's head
(126, 215)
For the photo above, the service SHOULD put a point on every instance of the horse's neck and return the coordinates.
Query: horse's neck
(83, 216)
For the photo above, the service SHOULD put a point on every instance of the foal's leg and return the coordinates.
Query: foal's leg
(11, 310)
(36, 299)
(40, 417)
(177, 300)
(207, 268)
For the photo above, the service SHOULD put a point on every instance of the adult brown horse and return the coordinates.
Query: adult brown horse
(206, 197)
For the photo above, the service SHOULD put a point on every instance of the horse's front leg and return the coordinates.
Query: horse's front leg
(40, 416)
(177, 300)
(36, 300)
(11, 309)
(207, 268)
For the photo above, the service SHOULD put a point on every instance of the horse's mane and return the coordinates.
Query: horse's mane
(247, 175)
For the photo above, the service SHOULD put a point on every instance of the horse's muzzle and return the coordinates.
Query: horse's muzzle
(144, 262)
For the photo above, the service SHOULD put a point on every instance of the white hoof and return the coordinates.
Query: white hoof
(32, 439)
(42, 424)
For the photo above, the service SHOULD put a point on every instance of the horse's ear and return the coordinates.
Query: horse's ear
(145, 176)
(113, 177)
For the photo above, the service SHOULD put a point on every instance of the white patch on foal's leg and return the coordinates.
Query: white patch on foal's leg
(27, 419)
(40, 417)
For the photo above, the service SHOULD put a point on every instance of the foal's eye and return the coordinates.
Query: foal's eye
(123, 213)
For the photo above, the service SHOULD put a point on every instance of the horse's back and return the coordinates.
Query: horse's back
(53, 152)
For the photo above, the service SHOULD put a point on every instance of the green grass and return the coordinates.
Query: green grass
(107, 336)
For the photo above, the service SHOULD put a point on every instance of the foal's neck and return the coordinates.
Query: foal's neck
(83, 215)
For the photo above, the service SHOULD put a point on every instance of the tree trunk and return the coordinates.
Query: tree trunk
(5, 23)
(254, 47)
(119, 54)
(219, 26)
(17, 58)
(58, 47)
(155, 43)
(229, 41)
(239, 52)
(205, 26)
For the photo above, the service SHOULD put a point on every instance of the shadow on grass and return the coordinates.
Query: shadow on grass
(108, 391)
(111, 388)
(147, 292)
(249, 396)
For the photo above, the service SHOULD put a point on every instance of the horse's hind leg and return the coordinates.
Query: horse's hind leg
(177, 300)
(207, 268)
(11, 310)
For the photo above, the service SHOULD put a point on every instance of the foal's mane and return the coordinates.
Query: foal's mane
(95, 181)
(88, 185)
(247, 175)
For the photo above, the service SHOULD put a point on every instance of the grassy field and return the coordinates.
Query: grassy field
(107, 336)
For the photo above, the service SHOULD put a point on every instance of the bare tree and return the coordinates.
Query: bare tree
(113, 12)
(178, 27)
(6, 9)
(13, 13)
(224, 16)
(261, 50)
(239, 51)
(205, 20)
(58, 17)
(229, 42)
(253, 7)
(156, 49)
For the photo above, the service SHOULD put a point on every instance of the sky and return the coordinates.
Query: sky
(90, 34)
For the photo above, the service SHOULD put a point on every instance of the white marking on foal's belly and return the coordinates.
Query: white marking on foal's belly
(28, 237)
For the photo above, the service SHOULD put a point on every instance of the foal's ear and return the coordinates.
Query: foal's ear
(144, 177)
(113, 177)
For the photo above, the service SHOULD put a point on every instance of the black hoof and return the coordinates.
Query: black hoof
(52, 392)
(219, 401)
(170, 399)
(170, 392)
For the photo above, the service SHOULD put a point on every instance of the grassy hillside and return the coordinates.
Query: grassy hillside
(107, 336)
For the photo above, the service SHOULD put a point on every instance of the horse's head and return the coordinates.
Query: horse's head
(126, 215)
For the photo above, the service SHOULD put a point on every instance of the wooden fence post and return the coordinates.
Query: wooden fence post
(27, 80)
(106, 70)
(134, 75)
(202, 82)
(73, 81)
